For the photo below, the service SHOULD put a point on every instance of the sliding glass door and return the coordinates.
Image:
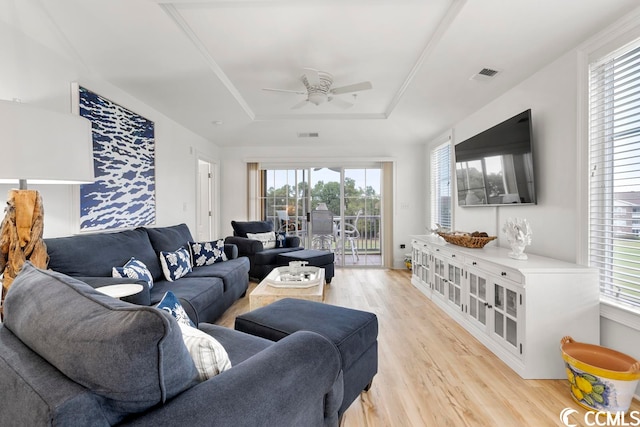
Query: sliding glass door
(361, 214)
(329, 208)
(284, 200)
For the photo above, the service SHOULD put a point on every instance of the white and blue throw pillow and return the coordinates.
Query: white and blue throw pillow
(281, 239)
(175, 264)
(267, 239)
(171, 304)
(134, 269)
(207, 253)
(207, 353)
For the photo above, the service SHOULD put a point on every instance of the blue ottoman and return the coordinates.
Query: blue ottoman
(315, 258)
(354, 332)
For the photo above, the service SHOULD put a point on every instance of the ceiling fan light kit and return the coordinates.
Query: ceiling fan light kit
(318, 89)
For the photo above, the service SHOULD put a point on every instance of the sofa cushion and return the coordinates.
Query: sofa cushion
(76, 255)
(133, 356)
(169, 238)
(175, 264)
(233, 272)
(134, 269)
(198, 292)
(241, 228)
(238, 345)
(207, 353)
(171, 305)
(207, 253)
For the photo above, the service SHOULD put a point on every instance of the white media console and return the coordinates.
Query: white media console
(519, 309)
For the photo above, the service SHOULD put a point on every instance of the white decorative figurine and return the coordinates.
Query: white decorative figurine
(518, 234)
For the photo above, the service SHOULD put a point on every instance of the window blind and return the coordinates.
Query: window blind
(614, 165)
(441, 185)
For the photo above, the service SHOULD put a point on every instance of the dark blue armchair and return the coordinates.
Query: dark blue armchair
(261, 260)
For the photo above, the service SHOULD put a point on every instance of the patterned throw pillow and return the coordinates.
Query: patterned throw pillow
(207, 253)
(207, 353)
(280, 239)
(171, 304)
(134, 269)
(175, 264)
(268, 239)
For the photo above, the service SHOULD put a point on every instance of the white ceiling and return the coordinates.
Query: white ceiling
(200, 62)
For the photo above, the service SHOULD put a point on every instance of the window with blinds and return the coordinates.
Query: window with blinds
(614, 164)
(441, 185)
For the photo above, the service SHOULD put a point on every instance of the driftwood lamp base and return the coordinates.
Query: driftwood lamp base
(21, 235)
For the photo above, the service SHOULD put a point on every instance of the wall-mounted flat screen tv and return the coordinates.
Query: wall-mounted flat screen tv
(495, 167)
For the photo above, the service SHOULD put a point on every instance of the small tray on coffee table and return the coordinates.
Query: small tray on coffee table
(305, 277)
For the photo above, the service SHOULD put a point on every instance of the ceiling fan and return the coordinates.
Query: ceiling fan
(318, 89)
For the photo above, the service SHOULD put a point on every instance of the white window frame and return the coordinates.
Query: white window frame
(435, 164)
(622, 33)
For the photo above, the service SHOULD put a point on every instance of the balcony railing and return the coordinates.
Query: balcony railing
(367, 243)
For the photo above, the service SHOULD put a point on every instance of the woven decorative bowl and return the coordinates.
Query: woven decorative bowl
(466, 240)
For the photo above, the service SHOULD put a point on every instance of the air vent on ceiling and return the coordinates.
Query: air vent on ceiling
(308, 134)
(484, 74)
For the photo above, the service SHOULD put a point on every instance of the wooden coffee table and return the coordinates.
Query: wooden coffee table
(271, 289)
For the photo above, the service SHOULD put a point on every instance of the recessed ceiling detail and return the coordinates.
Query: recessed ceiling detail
(199, 61)
(283, 37)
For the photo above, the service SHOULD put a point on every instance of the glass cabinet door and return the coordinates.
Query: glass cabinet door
(506, 315)
(426, 266)
(455, 284)
(439, 278)
(478, 304)
(416, 258)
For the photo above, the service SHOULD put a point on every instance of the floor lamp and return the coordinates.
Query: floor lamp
(39, 147)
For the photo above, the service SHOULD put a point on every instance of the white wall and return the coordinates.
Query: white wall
(551, 95)
(408, 191)
(41, 76)
(557, 220)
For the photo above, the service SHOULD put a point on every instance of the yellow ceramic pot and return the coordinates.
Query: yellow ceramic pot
(601, 379)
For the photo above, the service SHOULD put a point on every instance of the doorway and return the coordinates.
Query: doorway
(205, 196)
(351, 194)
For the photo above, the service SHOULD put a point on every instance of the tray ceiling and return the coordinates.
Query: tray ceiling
(204, 63)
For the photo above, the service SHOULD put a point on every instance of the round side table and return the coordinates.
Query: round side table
(120, 291)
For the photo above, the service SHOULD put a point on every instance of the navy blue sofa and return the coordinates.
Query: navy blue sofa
(262, 260)
(71, 356)
(205, 293)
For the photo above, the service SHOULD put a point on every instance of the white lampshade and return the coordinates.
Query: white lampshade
(43, 146)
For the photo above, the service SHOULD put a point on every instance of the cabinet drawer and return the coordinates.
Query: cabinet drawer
(447, 255)
(495, 270)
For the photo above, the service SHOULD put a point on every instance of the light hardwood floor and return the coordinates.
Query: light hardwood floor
(431, 371)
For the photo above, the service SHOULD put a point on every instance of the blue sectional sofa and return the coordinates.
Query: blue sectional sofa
(205, 293)
(71, 356)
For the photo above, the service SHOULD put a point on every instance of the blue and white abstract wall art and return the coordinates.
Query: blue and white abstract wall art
(123, 195)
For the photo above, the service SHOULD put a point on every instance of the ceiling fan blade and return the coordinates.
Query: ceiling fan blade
(356, 87)
(300, 104)
(299, 92)
(313, 77)
(340, 102)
